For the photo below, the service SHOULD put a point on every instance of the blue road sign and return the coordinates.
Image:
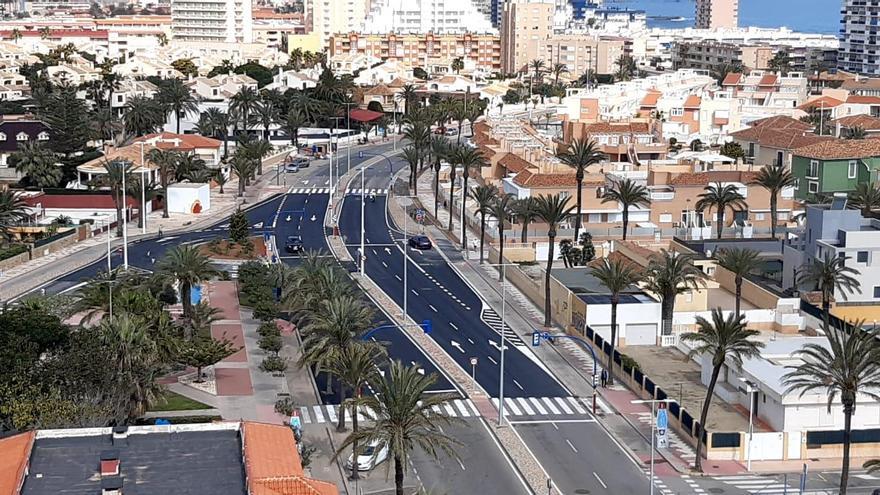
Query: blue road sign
(536, 339)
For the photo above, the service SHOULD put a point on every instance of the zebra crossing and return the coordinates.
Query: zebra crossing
(374, 192)
(522, 302)
(558, 407)
(761, 484)
(492, 319)
(308, 190)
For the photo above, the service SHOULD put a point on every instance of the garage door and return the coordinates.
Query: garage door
(641, 334)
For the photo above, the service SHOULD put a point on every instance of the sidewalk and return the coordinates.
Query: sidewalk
(27, 276)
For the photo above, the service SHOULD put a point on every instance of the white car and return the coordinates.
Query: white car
(370, 456)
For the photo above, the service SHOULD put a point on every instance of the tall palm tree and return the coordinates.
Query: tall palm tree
(740, 262)
(721, 197)
(242, 167)
(267, 114)
(117, 172)
(217, 125)
(257, 150)
(468, 159)
(439, 150)
(866, 198)
(142, 115)
(502, 210)
(617, 276)
(308, 106)
(409, 95)
(134, 361)
(553, 210)
(334, 326)
(484, 195)
(177, 99)
(135, 187)
(166, 161)
(526, 210)
(669, 275)
(188, 266)
(775, 178)
(355, 368)
(579, 155)
(723, 339)
(405, 417)
(627, 193)
(38, 163)
(537, 66)
(412, 157)
(13, 210)
(848, 366)
(830, 275)
(557, 70)
(293, 121)
(244, 103)
(459, 113)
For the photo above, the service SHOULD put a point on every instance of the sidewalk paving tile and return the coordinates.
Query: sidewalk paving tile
(233, 333)
(233, 381)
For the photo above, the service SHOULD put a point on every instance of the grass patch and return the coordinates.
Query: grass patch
(171, 401)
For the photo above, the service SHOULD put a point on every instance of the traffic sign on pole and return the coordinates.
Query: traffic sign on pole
(536, 339)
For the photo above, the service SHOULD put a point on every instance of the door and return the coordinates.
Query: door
(767, 446)
(641, 334)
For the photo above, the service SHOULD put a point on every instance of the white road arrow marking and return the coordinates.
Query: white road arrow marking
(457, 346)
(388, 251)
(497, 346)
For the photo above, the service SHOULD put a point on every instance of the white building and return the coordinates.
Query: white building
(229, 21)
(858, 38)
(427, 16)
(330, 17)
(291, 79)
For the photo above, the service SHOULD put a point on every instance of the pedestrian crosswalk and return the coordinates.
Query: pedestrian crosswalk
(494, 321)
(308, 190)
(375, 192)
(760, 484)
(556, 407)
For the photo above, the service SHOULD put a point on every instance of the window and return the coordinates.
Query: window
(814, 168)
(779, 155)
(813, 186)
(759, 217)
(2, 136)
(21, 136)
(666, 218)
(862, 256)
(43, 136)
(876, 291)
(677, 112)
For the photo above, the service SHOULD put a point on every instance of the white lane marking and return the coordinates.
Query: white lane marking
(518, 385)
(398, 278)
(385, 264)
(304, 412)
(471, 341)
(319, 415)
(572, 446)
(331, 414)
(600, 480)
(548, 401)
(453, 325)
(460, 464)
(538, 405)
(414, 292)
(512, 406)
(432, 308)
(449, 410)
(576, 405)
(461, 408)
(563, 405)
(493, 361)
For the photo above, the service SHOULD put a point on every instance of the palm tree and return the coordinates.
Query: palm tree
(257, 150)
(134, 360)
(244, 103)
(166, 161)
(484, 195)
(188, 266)
(333, 326)
(117, 172)
(412, 157)
(740, 262)
(309, 107)
(149, 192)
(856, 132)
(439, 150)
(774, 178)
(13, 210)
(469, 159)
(721, 197)
(293, 121)
(355, 368)
(218, 124)
(722, 338)
(404, 417)
(669, 275)
(526, 210)
(242, 167)
(617, 276)
(627, 193)
(220, 179)
(830, 275)
(557, 70)
(626, 68)
(579, 155)
(459, 113)
(142, 115)
(268, 114)
(848, 366)
(537, 67)
(721, 71)
(409, 95)
(177, 98)
(553, 210)
(866, 198)
(501, 209)
(38, 163)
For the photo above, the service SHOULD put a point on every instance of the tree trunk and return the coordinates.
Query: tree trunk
(464, 193)
(698, 462)
(240, 186)
(340, 396)
(458, 138)
(625, 220)
(186, 298)
(451, 197)
(667, 309)
(610, 367)
(141, 213)
(177, 118)
(826, 313)
(225, 144)
(118, 216)
(577, 218)
(398, 475)
(199, 374)
(482, 234)
(847, 440)
(165, 196)
(552, 235)
(525, 232)
(738, 281)
(719, 218)
(773, 215)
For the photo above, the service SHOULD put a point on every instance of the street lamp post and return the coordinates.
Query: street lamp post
(751, 390)
(653, 424)
(503, 267)
(143, 192)
(124, 219)
(364, 168)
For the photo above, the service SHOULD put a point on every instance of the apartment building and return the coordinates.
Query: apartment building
(711, 14)
(632, 141)
(421, 50)
(835, 166)
(858, 51)
(771, 141)
(333, 16)
(768, 89)
(711, 54)
(429, 16)
(227, 21)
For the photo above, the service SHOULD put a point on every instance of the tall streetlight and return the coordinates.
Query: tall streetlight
(143, 192)
(503, 267)
(348, 141)
(653, 424)
(332, 154)
(751, 390)
(124, 217)
(364, 168)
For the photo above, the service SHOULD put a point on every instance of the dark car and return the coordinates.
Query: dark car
(419, 242)
(294, 244)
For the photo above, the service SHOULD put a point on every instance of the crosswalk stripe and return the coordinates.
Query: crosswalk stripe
(548, 401)
(449, 410)
(472, 407)
(577, 406)
(319, 416)
(563, 405)
(537, 405)
(360, 414)
(511, 405)
(437, 409)
(304, 414)
(461, 408)
(524, 404)
(331, 414)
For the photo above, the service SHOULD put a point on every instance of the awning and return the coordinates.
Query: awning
(361, 115)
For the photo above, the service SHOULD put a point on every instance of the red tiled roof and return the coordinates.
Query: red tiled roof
(706, 178)
(864, 121)
(651, 99)
(60, 33)
(165, 140)
(863, 100)
(514, 163)
(768, 80)
(732, 78)
(487, 151)
(272, 463)
(821, 102)
(481, 126)
(15, 454)
(783, 139)
(361, 115)
(532, 178)
(841, 149)
(617, 128)
(781, 122)
(692, 101)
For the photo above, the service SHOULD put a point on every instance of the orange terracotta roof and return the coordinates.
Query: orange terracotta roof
(692, 101)
(840, 149)
(617, 128)
(482, 126)
(186, 141)
(486, 150)
(532, 178)
(864, 121)
(483, 138)
(706, 178)
(514, 163)
(651, 99)
(783, 139)
(15, 454)
(781, 122)
(821, 102)
(272, 463)
(732, 78)
(869, 83)
(863, 100)
(768, 80)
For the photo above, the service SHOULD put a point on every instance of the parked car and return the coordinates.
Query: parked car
(294, 244)
(440, 130)
(371, 456)
(451, 131)
(420, 242)
(294, 164)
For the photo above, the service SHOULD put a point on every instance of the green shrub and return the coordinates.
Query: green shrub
(273, 364)
(285, 406)
(628, 362)
(268, 328)
(13, 250)
(265, 309)
(270, 343)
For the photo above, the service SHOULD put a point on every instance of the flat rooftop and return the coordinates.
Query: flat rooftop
(190, 462)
